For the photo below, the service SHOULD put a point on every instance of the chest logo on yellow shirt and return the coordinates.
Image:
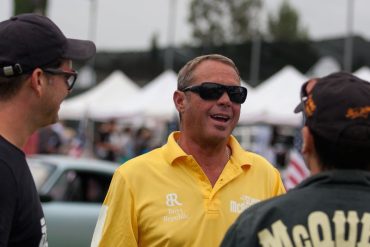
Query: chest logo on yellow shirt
(171, 200)
(175, 211)
(244, 203)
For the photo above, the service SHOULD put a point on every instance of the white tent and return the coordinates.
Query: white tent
(323, 67)
(110, 92)
(273, 102)
(153, 100)
(250, 89)
(363, 73)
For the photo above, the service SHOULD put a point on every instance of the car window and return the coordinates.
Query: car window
(40, 172)
(81, 186)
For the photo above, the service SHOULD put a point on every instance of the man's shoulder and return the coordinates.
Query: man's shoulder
(143, 161)
(256, 161)
(247, 157)
(11, 158)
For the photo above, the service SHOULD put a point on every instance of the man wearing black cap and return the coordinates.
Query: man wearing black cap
(35, 76)
(331, 208)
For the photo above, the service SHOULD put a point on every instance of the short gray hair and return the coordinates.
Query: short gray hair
(186, 73)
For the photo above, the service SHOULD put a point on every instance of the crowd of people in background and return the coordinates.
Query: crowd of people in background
(112, 141)
(120, 143)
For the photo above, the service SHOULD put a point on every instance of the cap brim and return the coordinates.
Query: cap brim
(299, 108)
(79, 49)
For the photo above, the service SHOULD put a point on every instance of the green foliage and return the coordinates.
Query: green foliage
(206, 19)
(218, 22)
(285, 26)
(29, 6)
(242, 13)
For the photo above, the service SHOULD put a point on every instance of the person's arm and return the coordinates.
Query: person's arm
(8, 196)
(117, 223)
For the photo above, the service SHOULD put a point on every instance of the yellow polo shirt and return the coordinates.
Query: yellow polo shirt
(163, 198)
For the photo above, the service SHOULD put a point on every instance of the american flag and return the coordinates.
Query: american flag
(296, 170)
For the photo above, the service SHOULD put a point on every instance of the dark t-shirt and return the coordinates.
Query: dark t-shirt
(328, 209)
(22, 220)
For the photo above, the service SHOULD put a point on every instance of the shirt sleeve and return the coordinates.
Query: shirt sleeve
(279, 186)
(8, 198)
(117, 223)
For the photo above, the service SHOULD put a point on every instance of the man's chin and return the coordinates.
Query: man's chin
(51, 120)
(219, 136)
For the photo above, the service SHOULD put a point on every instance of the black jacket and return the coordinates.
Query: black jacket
(327, 209)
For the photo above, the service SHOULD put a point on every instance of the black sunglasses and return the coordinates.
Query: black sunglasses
(214, 91)
(70, 76)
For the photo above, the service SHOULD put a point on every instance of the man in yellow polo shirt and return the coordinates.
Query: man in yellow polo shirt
(189, 191)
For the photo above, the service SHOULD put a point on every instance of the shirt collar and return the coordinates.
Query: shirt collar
(173, 151)
(337, 177)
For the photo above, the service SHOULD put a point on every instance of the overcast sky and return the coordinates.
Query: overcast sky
(130, 24)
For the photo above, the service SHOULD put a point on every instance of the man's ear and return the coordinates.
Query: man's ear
(309, 151)
(37, 80)
(180, 100)
(307, 144)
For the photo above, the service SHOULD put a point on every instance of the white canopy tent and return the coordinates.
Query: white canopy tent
(153, 100)
(363, 73)
(273, 102)
(249, 88)
(323, 67)
(107, 94)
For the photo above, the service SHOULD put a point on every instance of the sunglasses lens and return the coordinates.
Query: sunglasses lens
(71, 79)
(208, 91)
(237, 94)
(214, 91)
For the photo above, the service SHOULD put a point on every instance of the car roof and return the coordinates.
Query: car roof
(65, 162)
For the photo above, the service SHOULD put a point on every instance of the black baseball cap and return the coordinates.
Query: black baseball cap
(29, 41)
(337, 108)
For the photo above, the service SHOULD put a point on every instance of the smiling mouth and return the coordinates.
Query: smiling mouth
(221, 118)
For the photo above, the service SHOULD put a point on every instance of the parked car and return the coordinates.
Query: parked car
(71, 191)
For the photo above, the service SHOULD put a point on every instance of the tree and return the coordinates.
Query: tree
(29, 6)
(285, 26)
(217, 22)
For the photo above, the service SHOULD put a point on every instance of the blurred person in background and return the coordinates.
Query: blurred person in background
(106, 148)
(142, 141)
(189, 191)
(330, 208)
(49, 141)
(126, 144)
(36, 74)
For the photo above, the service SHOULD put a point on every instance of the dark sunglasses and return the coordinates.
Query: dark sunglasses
(214, 91)
(70, 76)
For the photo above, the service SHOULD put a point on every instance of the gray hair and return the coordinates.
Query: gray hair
(185, 76)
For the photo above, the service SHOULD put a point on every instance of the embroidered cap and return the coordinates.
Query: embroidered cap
(337, 108)
(29, 41)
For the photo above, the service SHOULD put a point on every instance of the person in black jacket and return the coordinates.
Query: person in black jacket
(330, 208)
(35, 76)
